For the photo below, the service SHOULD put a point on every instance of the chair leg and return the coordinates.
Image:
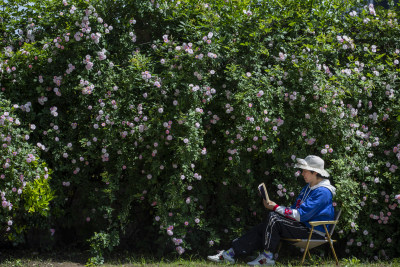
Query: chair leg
(308, 243)
(309, 255)
(331, 244)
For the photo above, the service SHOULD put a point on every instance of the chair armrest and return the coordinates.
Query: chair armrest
(316, 223)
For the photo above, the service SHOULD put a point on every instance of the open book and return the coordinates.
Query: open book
(263, 191)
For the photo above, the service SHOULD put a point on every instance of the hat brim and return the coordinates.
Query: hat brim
(306, 167)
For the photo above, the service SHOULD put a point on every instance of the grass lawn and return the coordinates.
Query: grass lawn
(13, 258)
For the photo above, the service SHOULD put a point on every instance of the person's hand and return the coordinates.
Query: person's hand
(269, 205)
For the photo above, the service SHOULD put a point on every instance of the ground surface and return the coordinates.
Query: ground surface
(19, 258)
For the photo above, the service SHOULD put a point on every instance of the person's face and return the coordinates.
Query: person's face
(309, 177)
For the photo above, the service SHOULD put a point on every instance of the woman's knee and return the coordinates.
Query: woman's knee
(271, 216)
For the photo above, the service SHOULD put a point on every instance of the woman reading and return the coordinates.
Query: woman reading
(314, 203)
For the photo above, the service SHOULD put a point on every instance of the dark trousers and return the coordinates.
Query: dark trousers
(266, 235)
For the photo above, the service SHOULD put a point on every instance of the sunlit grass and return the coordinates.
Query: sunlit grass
(77, 259)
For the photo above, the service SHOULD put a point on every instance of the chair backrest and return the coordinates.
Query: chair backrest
(337, 216)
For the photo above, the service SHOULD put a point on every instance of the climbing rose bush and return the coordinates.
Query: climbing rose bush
(160, 118)
(24, 188)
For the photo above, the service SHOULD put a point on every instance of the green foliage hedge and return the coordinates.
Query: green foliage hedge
(159, 118)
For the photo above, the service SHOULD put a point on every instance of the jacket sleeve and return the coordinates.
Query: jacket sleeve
(287, 212)
(317, 200)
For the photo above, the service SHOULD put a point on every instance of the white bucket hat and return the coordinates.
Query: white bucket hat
(312, 163)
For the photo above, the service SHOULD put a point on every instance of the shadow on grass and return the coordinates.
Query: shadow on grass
(18, 257)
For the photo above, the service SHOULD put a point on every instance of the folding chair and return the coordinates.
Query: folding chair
(309, 243)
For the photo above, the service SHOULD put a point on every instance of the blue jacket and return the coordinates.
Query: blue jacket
(312, 204)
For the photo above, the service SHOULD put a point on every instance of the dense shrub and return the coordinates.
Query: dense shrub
(163, 116)
(24, 188)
